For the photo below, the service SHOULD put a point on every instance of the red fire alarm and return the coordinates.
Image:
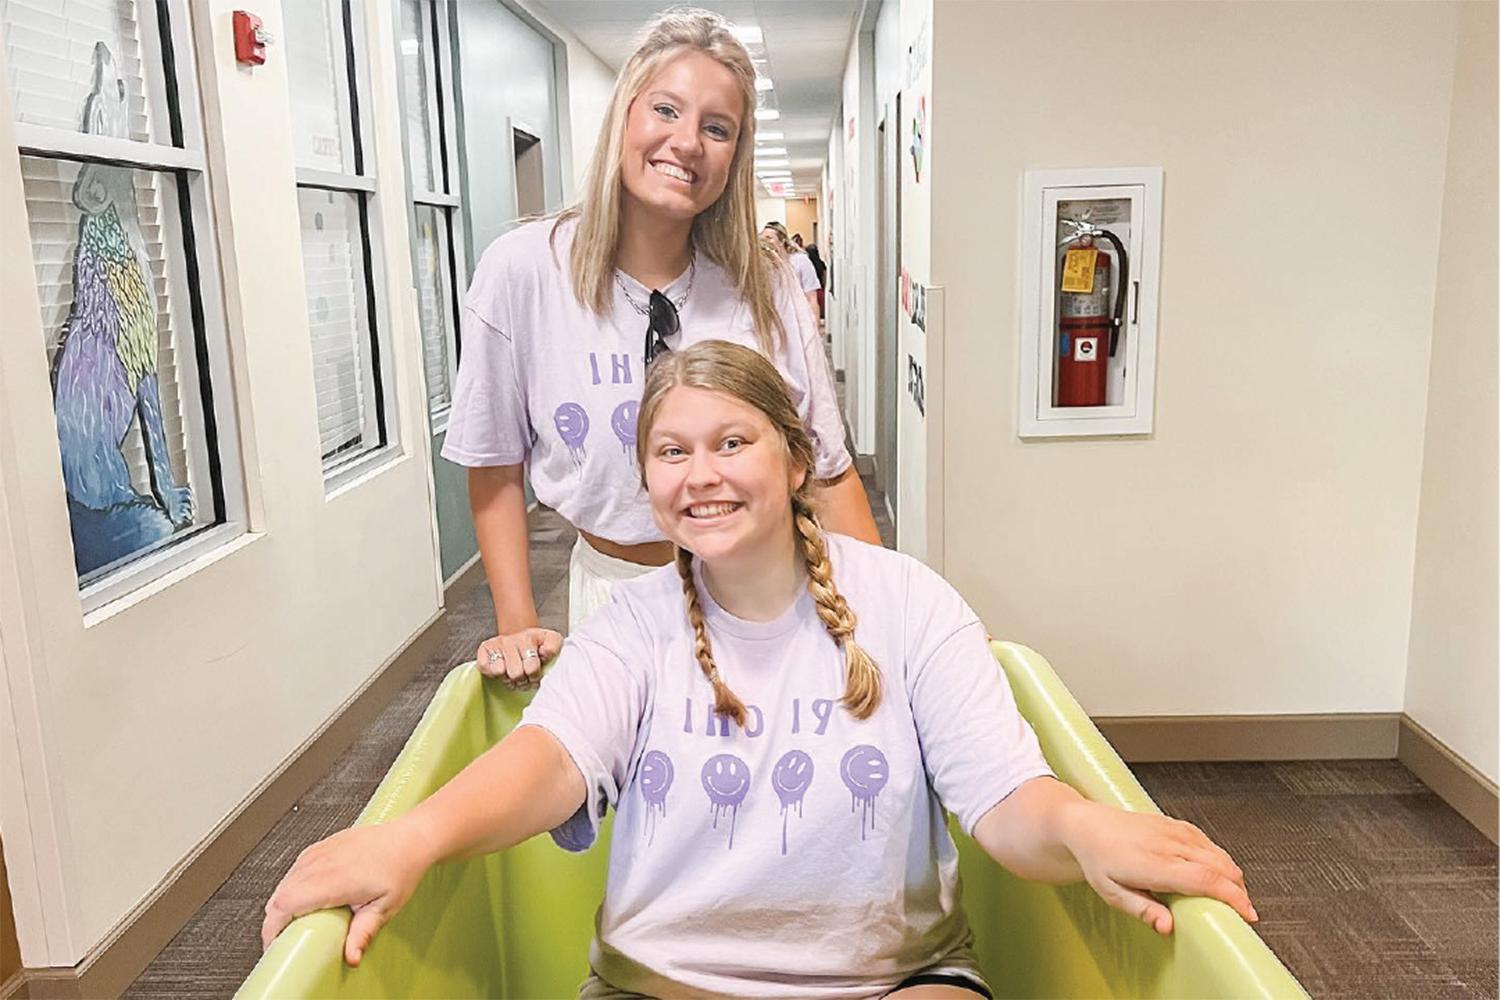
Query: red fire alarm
(250, 39)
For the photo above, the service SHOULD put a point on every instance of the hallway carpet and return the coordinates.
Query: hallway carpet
(1367, 884)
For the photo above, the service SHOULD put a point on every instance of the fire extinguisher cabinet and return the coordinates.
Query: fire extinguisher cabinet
(1090, 259)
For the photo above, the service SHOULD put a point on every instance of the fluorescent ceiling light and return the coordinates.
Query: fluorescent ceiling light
(770, 151)
(763, 83)
(769, 136)
(766, 114)
(783, 162)
(748, 34)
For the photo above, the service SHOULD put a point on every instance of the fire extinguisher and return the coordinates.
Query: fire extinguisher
(1089, 324)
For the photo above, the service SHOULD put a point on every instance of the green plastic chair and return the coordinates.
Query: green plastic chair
(518, 923)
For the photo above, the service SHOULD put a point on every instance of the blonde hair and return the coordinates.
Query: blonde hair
(744, 375)
(725, 231)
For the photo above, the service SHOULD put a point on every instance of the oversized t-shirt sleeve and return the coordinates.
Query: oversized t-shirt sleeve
(807, 275)
(819, 406)
(592, 701)
(975, 745)
(488, 423)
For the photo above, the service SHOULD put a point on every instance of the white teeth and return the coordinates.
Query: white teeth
(671, 170)
(711, 509)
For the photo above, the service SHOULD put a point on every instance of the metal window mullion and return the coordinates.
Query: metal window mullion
(433, 78)
(371, 304)
(41, 140)
(200, 344)
(453, 304)
(330, 181)
(169, 71)
(434, 200)
(351, 66)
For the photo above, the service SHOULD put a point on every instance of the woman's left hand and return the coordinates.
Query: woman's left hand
(1127, 856)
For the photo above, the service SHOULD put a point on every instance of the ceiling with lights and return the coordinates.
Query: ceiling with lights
(798, 47)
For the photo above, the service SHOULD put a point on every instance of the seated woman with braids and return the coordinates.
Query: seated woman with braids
(780, 719)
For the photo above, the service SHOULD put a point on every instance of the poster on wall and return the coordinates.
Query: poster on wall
(106, 378)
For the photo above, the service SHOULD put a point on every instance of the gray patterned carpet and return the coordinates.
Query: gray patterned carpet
(1366, 883)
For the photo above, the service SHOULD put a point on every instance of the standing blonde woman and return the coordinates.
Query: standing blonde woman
(564, 314)
(780, 721)
(791, 251)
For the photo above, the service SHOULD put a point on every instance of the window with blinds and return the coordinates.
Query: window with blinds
(431, 146)
(327, 77)
(104, 103)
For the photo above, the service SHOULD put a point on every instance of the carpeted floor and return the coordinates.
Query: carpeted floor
(1366, 883)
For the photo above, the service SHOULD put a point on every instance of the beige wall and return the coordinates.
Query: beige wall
(1451, 676)
(800, 217)
(139, 730)
(1254, 555)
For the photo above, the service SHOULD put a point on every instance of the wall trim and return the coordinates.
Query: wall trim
(1161, 738)
(114, 964)
(1456, 781)
(464, 579)
(1347, 736)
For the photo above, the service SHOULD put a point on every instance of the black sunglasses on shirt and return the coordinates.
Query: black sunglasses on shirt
(663, 324)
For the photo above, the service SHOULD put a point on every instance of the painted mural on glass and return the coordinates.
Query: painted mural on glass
(105, 377)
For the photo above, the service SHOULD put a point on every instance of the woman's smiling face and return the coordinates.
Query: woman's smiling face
(680, 136)
(718, 476)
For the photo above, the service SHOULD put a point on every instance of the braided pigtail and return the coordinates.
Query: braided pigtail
(725, 700)
(862, 678)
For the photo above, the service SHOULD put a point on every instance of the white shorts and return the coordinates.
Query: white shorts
(592, 576)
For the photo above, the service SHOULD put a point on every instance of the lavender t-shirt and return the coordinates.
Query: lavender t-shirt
(805, 855)
(548, 382)
(807, 275)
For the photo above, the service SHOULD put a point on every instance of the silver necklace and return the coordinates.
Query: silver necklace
(644, 308)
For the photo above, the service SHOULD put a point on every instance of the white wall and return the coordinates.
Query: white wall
(508, 81)
(858, 300)
(919, 434)
(590, 83)
(768, 209)
(129, 736)
(835, 238)
(1454, 660)
(1255, 554)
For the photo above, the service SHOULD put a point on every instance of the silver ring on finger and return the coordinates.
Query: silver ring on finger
(530, 654)
(494, 656)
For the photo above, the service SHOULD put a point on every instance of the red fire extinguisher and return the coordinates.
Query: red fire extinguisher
(1089, 323)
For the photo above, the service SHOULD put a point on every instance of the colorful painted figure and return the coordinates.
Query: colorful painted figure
(104, 375)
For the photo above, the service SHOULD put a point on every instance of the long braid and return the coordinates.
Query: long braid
(725, 700)
(862, 685)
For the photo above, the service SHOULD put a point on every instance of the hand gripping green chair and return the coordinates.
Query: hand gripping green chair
(518, 923)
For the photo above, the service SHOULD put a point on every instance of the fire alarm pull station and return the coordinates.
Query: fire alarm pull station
(250, 39)
(1088, 335)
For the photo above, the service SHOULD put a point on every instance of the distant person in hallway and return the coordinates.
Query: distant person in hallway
(781, 720)
(814, 255)
(660, 251)
(807, 275)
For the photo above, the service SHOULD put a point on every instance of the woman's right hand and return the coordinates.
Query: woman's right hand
(371, 869)
(517, 657)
